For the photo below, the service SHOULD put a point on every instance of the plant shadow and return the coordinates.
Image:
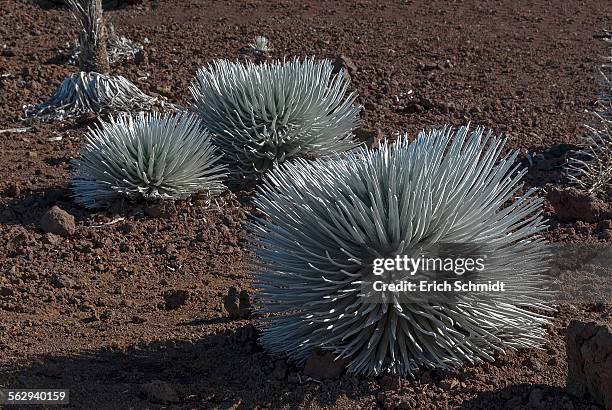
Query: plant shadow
(228, 370)
(27, 207)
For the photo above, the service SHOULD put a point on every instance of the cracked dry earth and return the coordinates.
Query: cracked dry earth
(130, 306)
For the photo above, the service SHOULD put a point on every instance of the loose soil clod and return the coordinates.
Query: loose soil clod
(57, 221)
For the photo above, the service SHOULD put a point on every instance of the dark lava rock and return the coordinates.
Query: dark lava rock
(605, 235)
(449, 384)
(589, 360)
(8, 52)
(58, 221)
(51, 370)
(175, 298)
(280, 370)
(414, 107)
(344, 63)
(13, 190)
(141, 57)
(159, 392)
(6, 291)
(51, 238)
(534, 364)
(390, 383)
(322, 364)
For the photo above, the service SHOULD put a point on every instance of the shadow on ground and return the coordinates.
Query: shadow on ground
(26, 207)
(218, 371)
(527, 396)
(228, 370)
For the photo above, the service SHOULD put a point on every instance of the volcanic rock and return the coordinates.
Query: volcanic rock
(238, 305)
(343, 62)
(589, 361)
(372, 138)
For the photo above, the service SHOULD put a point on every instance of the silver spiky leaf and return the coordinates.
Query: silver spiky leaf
(150, 157)
(324, 221)
(83, 93)
(262, 115)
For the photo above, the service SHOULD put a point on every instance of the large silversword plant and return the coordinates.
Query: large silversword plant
(323, 223)
(265, 114)
(147, 157)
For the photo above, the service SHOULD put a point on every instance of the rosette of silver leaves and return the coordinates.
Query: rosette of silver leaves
(324, 222)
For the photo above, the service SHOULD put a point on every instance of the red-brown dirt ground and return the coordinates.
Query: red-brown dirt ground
(87, 313)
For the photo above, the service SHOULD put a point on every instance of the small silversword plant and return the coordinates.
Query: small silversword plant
(150, 157)
(591, 168)
(262, 115)
(261, 45)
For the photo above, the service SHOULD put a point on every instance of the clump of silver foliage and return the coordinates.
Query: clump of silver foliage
(83, 93)
(119, 48)
(265, 114)
(261, 45)
(324, 221)
(149, 157)
(591, 168)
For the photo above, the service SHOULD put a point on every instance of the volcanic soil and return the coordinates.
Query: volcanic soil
(128, 311)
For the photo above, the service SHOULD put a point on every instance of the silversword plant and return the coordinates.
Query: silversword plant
(323, 222)
(150, 157)
(261, 45)
(262, 115)
(591, 168)
(92, 89)
(83, 93)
